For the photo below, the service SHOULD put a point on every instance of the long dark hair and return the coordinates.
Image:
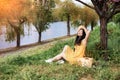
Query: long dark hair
(80, 38)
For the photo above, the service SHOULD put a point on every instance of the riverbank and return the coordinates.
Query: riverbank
(56, 29)
(11, 50)
(29, 64)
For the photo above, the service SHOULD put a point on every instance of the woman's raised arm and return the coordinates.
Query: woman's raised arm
(86, 31)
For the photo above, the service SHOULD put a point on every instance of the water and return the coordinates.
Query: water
(56, 29)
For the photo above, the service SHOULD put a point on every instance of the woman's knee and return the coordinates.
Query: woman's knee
(66, 46)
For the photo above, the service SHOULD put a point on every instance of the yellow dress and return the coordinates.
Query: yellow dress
(73, 56)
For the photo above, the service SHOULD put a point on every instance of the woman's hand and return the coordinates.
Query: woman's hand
(82, 27)
(86, 31)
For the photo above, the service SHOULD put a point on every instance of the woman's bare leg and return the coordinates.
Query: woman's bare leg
(59, 56)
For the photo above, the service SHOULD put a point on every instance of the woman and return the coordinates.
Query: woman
(73, 56)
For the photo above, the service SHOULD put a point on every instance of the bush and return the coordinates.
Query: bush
(93, 47)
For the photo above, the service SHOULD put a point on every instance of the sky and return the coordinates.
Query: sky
(78, 3)
(81, 0)
(86, 1)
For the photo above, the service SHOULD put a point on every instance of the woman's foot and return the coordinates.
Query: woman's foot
(49, 60)
(61, 61)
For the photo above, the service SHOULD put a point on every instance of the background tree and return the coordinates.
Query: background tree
(67, 10)
(93, 18)
(57, 15)
(94, 22)
(13, 16)
(105, 9)
(42, 15)
(87, 16)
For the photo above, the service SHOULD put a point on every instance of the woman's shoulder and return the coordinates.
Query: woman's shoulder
(84, 42)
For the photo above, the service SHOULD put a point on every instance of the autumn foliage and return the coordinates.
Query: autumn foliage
(11, 8)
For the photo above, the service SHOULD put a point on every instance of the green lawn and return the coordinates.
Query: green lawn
(29, 64)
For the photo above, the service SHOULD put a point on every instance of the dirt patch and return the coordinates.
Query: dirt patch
(87, 77)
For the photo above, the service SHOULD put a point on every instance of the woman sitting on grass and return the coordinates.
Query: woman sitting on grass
(70, 55)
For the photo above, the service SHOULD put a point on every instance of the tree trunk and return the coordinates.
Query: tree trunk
(92, 25)
(103, 33)
(18, 38)
(103, 37)
(85, 25)
(40, 34)
(68, 25)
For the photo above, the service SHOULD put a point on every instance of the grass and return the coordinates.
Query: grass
(29, 64)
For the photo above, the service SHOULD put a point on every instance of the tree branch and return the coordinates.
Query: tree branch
(85, 4)
(13, 26)
(115, 9)
(96, 7)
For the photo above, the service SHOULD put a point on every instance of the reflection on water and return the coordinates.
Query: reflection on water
(56, 29)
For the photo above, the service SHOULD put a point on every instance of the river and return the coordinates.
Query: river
(56, 29)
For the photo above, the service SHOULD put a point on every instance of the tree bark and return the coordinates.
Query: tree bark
(18, 38)
(92, 25)
(85, 25)
(40, 34)
(68, 25)
(103, 33)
